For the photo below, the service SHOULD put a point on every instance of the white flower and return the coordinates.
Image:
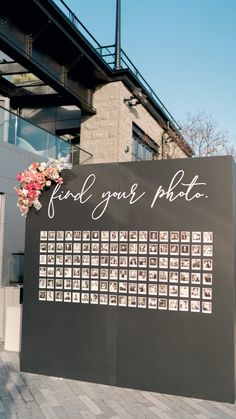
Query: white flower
(37, 205)
(48, 183)
(42, 166)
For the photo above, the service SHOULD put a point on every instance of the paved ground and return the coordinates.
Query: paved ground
(36, 396)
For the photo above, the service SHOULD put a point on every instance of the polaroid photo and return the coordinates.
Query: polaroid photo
(104, 235)
(76, 259)
(152, 289)
(142, 261)
(94, 260)
(60, 235)
(77, 235)
(133, 248)
(184, 292)
(195, 306)
(196, 250)
(104, 260)
(59, 260)
(207, 279)
(173, 305)
(114, 248)
(42, 282)
(43, 235)
(143, 236)
(133, 288)
(162, 304)
(184, 249)
(50, 271)
(183, 305)
(68, 259)
(184, 263)
(195, 292)
(50, 295)
(152, 276)
(174, 276)
(85, 298)
(173, 290)
(114, 260)
(42, 295)
(153, 236)
(152, 262)
(43, 247)
(163, 263)
(123, 260)
(86, 247)
(113, 300)
(122, 300)
(95, 235)
(60, 247)
(123, 236)
(174, 263)
(163, 276)
(42, 259)
(67, 284)
(206, 307)
(152, 303)
(68, 247)
(113, 274)
(207, 293)
(142, 302)
(142, 288)
(85, 272)
(123, 274)
(50, 283)
(163, 236)
(95, 247)
(162, 289)
(94, 298)
(68, 235)
(153, 249)
(58, 283)
(86, 235)
(51, 247)
(133, 275)
(76, 284)
(196, 264)
(207, 250)
(67, 272)
(113, 286)
(132, 301)
(85, 260)
(59, 296)
(123, 248)
(196, 237)
(163, 249)
(104, 286)
(184, 277)
(114, 236)
(195, 278)
(76, 247)
(123, 287)
(174, 249)
(59, 272)
(75, 297)
(207, 237)
(142, 275)
(94, 272)
(133, 261)
(185, 236)
(174, 236)
(85, 285)
(103, 299)
(133, 236)
(104, 247)
(51, 235)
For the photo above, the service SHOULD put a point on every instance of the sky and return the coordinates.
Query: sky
(185, 49)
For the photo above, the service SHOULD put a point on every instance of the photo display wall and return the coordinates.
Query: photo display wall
(130, 277)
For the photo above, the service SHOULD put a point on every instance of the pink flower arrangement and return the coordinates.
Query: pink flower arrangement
(37, 178)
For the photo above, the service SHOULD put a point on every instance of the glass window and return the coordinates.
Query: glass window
(141, 150)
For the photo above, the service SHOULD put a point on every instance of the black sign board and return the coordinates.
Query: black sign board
(129, 280)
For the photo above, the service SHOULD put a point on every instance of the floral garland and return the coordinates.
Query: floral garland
(37, 178)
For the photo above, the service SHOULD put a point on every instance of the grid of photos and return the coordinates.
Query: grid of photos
(162, 270)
